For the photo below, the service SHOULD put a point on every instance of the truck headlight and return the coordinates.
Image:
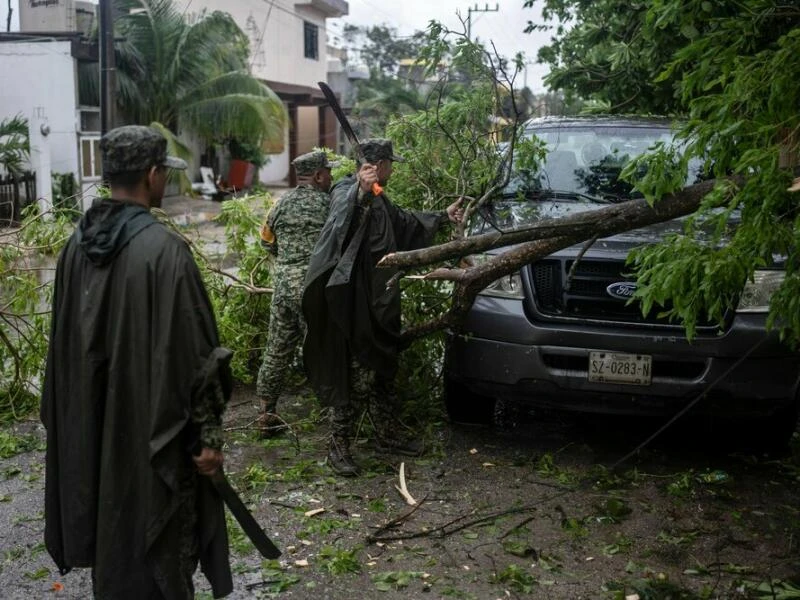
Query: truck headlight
(757, 293)
(508, 286)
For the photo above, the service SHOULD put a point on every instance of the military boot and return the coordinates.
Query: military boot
(398, 441)
(339, 457)
(268, 423)
(391, 434)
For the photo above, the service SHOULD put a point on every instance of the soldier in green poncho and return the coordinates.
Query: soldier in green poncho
(135, 386)
(353, 318)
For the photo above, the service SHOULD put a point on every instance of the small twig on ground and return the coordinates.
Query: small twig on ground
(395, 522)
(252, 586)
(449, 529)
(283, 504)
(519, 525)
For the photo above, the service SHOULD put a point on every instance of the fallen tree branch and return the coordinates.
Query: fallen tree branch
(544, 238)
(605, 221)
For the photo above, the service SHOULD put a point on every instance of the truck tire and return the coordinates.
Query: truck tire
(465, 406)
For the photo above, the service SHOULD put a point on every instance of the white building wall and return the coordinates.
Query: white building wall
(39, 79)
(47, 15)
(277, 169)
(276, 37)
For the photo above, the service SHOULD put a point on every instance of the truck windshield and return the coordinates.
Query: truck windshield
(587, 160)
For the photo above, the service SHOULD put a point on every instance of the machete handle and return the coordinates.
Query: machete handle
(377, 190)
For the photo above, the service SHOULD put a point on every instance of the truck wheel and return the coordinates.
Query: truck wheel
(465, 406)
(777, 431)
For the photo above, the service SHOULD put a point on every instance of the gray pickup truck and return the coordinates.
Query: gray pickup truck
(554, 336)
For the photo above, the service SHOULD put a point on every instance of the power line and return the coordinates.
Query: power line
(471, 10)
(294, 14)
(379, 9)
(257, 49)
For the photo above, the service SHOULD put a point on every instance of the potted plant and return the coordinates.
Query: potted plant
(247, 156)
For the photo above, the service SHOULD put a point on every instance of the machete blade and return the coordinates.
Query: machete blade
(377, 190)
(249, 525)
(340, 116)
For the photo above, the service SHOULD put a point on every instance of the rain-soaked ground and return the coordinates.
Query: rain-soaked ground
(531, 511)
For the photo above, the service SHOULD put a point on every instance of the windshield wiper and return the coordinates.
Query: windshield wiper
(550, 193)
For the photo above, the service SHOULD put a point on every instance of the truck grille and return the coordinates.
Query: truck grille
(585, 295)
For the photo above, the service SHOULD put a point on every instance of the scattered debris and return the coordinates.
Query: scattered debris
(402, 487)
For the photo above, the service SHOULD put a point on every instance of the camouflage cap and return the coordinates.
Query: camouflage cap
(136, 148)
(376, 149)
(307, 163)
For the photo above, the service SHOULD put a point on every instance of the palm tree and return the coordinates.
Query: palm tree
(381, 98)
(14, 144)
(191, 77)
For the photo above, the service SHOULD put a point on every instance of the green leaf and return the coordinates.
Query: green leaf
(689, 31)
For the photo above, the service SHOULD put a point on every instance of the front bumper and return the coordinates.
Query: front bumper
(504, 354)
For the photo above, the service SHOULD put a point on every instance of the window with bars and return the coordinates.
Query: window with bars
(311, 40)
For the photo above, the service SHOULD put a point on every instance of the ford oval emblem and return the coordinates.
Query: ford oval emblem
(622, 290)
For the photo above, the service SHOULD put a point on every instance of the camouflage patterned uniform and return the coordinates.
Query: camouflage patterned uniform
(295, 222)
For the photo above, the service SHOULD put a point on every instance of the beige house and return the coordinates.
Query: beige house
(288, 51)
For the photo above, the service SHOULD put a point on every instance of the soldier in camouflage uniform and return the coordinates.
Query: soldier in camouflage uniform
(291, 230)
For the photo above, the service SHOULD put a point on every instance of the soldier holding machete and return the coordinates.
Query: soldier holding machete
(353, 319)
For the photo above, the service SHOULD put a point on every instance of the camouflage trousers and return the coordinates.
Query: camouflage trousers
(287, 329)
(371, 392)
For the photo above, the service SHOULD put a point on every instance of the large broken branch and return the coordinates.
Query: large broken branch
(605, 221)
(546, 237)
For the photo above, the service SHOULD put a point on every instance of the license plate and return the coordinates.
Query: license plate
(613, 367)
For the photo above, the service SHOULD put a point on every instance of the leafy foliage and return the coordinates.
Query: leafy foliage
(613, 52)
(749, 128)
(729, 71)
(26, 266)
(66, 193)
(11, 444)
(517, 578)
(380, 47)
(14, 144)
(240, 296)
(387, 581)
(381, 98)
(338, 561)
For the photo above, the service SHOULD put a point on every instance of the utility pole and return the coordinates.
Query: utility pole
(471, 10)
(108, 79)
